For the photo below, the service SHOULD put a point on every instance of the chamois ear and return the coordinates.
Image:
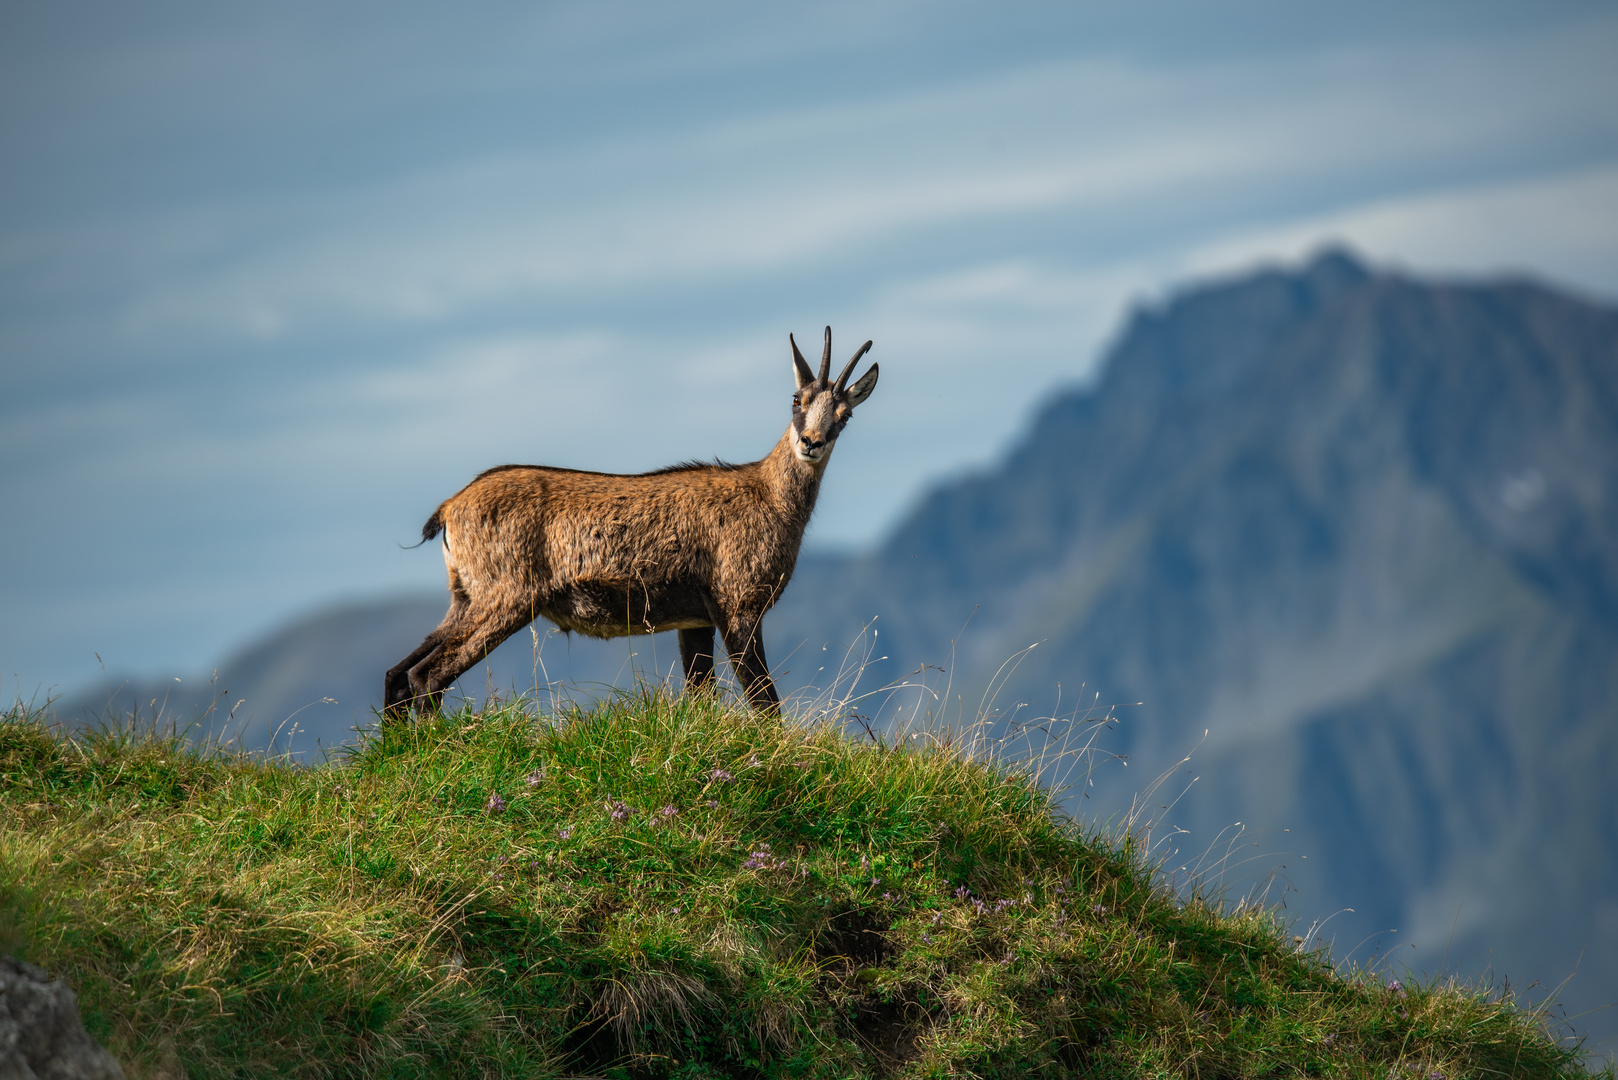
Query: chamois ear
(863, 386)
(800, 367)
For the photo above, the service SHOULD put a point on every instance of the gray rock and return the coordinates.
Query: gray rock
(41, 1035)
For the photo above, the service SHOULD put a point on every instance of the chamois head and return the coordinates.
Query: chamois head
(821, 407)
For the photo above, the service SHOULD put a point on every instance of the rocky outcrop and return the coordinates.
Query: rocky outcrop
(41, 1035)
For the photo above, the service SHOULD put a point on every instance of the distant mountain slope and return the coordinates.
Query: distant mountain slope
(1363, 529)
(315, 681)
(319, 673)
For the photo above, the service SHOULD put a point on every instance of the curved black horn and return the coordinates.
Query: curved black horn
(799, 364)
(825, 358)
(842, 380)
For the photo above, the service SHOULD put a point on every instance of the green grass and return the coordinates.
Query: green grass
(660, 887)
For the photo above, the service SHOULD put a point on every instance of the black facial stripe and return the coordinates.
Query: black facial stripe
(834, 423)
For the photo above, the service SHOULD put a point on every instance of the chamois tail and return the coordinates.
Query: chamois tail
(434, 526)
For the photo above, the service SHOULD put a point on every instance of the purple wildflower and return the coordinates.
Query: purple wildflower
(1099, 910)
(495, 804)
(889, 896)
(535, 778)
(719, 775)
(669, 811)
(1396, 987)
(712, 804)
(565, 831)
(761, 859)
(620, 810)
(962, 893)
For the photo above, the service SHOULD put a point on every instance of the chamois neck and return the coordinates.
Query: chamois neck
(794, 482)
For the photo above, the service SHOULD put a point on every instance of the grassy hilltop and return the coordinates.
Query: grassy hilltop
(661, 887)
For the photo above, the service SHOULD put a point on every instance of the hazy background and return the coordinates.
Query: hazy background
(276, 279)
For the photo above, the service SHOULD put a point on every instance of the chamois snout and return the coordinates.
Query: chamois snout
(816, 430)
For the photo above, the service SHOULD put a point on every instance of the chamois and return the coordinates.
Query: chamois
(689, 548)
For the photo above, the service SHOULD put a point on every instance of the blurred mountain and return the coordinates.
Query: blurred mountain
(314, 682)
(1361, 529)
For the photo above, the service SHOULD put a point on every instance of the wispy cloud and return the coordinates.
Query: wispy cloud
(1563, 226)
(1085, 146)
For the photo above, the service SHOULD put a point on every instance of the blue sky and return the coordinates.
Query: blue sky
(276, 279)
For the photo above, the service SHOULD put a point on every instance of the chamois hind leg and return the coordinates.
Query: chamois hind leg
(744, 641)
(396, 685)
(696, 653)
(396, 695)
(473, 637)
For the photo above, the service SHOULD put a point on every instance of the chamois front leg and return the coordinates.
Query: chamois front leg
(696, 654)
(744, 641)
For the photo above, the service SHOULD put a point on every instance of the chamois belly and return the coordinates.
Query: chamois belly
(607, 609)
